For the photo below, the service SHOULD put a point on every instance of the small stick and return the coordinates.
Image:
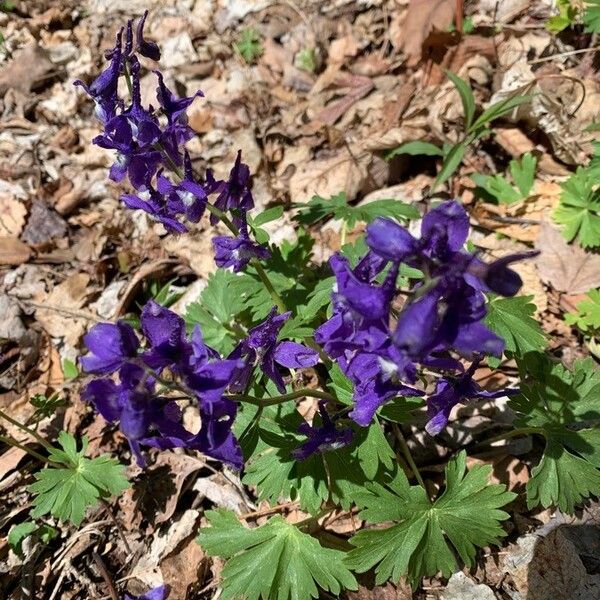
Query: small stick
(105, 575)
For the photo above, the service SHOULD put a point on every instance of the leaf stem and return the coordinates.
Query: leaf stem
(281, 399)
(407, 455)
(262, 274)
(513, 433)
(27, 430)
(9, 441)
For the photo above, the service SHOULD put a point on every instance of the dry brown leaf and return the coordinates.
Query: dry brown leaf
(423, 17)
(566, 267)
(158, 493)
(343, 172)
(13, 251)
(29, 69)
(184, 568)
(12, 216)
(389, 591)
(60, 319)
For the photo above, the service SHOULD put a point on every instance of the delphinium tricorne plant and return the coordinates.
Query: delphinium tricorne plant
(386, 339)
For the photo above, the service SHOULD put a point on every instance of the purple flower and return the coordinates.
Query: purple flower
(206, 373)
(173, 107)
(166, 335)
(239, 251)
(322, 438)
(497, 277)
(234, 194)
(376, 381)
(132, 403)
(145, 47)
(451, 391)
(158, 593)
(215, 438)
(110, 347)
(187, 197)
(261, 347)
(153, 203)
(103, 90)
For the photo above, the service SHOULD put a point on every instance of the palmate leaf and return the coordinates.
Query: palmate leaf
(564, 407)
(591, 16)
(66, 491)
(337, 475)
(512, 319)
(275, 561)
(426, 534)
(587, 317)
(579, 208)
(215, 311)
(337, 206)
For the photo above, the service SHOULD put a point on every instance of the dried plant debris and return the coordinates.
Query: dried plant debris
(457, 142)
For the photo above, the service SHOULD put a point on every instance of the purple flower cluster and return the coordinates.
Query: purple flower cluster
(148, 418)
(149, 145)
(380, 350)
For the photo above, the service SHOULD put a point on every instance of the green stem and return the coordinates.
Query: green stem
(217, 212)
(407, 455)
(513, 433)
(27, 430)
(9, 441)
(262, 274)
(281, 399)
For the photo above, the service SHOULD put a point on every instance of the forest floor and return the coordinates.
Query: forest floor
(317, 95)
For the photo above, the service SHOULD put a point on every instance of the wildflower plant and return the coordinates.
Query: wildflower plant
(386, 339)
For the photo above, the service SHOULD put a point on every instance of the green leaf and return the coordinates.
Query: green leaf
(66, 491)
(512, 319)
(275, 561)
(450, 164)
(18, 534)
(587, 317)
(565, 18)
(497, 110)
(497, 187)
(306, 60)
(562, 406)
(248, 45)
(426, 534)
(562, 479)
(318, 208)
(215, 311)
(373, 450)
(579, 208)
(466, 97)
(523, 173)
(70, 370)
(415, 148)
(271, 214)
(591, 16)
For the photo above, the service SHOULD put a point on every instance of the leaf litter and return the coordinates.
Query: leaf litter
(336, 87)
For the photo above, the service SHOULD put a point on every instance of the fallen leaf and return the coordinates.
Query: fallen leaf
(184, 568)
(43, 225)
(423, 17)
(12, 216)
(389, 591)
(29, 70)
(157, 494)
(341, 172)
(60, 318)
(13, 251)
(566, 267)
